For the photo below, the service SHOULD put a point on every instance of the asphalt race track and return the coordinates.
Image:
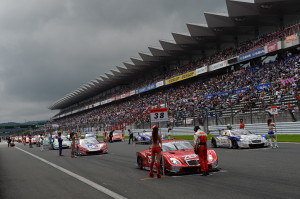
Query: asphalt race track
(255, 173)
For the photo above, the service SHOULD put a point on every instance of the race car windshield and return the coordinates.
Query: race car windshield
(241, 132)
(89, 141)
(116, 133)
(173, 146)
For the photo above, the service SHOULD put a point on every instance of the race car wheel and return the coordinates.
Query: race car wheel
(214, 143)
(234, 144)
(139, 162)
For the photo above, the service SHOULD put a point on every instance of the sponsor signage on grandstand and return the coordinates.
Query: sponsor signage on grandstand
(201, 70)
(159, 84)
(132, 92)
(118, 97)
(181, 77)
(253, 54)
(291, 40)
(274, 46)
(262, 86)
(147, 88)
(218, 65)
(97, 104)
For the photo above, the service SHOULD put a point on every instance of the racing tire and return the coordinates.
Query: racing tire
(234, 144)
(139, 162)
(214, 143)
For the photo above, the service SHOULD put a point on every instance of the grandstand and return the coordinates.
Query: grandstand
(233, 67)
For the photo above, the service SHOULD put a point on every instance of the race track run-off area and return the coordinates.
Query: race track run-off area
(244, 173)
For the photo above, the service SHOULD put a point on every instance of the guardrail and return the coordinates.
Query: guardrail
(281, 128)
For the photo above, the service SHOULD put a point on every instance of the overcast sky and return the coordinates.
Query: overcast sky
(49, 48)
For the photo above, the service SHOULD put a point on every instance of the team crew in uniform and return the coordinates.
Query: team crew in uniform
(155, 152)
(271, 134)
(200, 147)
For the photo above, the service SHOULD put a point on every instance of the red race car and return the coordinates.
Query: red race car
(117, 137)
(90, 146)
(179, 157)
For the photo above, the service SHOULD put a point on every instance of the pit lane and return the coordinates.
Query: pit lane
(245, 173)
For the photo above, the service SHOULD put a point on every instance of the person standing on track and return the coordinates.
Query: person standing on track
(30, 143)
(72, 136)
(60, 140)
(200, 147)
(8, 141)
(271, 134)
(111, 136)
(155, 152)
(130, 136)
(42, 142)
(242, 124)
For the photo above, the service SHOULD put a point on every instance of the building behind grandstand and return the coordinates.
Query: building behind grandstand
(234, 67)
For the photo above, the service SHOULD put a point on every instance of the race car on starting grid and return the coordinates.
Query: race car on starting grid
(90, 146)
(179, 157)
(239, 138)
(145, 138)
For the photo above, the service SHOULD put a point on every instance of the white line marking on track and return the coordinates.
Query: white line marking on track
(78, 177)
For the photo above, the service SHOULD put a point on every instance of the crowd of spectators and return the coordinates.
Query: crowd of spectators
(259, 41)
(185, 99)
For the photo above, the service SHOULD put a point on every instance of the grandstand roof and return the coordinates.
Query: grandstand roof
(243, 18)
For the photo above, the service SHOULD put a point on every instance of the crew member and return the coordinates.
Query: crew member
(200, 147)
(155, 152)
(271, 133)
(242, 124)
(60, 140)
(130, 136)
(111, 136)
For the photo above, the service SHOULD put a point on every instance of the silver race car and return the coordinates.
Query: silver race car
(239, 138)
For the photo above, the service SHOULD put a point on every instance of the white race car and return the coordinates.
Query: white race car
(239, 138)
(66, 143)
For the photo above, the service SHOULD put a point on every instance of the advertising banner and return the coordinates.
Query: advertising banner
(237, 91)
(274, 46)
(181, 77)
(262, 86)
(147, 88)
(253, 54)
(97, 104)
(201, 70)
(223, 93)
(132, 92)
(218, 65)
(208, 96)
(291, 40)
(159, 84)
(118, 97)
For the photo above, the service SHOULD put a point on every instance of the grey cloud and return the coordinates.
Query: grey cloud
(50, 48)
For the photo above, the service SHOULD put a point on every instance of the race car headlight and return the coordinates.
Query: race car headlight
(210, 158)
(175, 161)
(101, 145)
